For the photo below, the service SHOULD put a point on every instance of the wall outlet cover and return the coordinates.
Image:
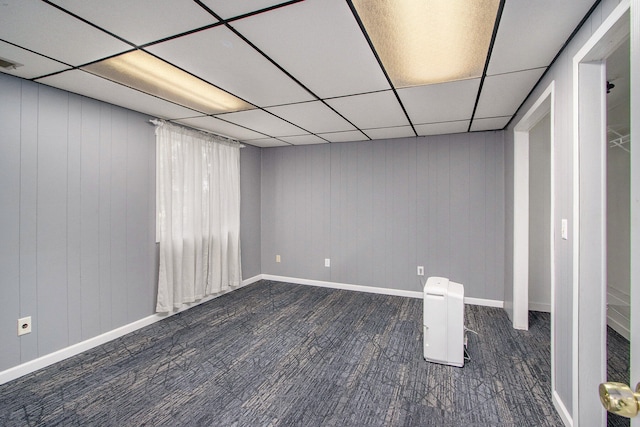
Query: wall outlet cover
(24, 325)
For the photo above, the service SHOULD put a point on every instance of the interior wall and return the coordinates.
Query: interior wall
(540, 215)
(561, 73)
(378, 209)
(77, 218)
(250, 202)
(78, 250)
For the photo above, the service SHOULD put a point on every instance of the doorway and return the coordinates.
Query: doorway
(537, 124)
(590, 210)
(618, 170)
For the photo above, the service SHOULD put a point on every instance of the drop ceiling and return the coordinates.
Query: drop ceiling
(306, 67)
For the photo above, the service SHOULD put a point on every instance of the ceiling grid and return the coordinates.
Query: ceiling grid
(307, 71)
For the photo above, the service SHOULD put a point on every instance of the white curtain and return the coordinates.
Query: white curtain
(198, 204)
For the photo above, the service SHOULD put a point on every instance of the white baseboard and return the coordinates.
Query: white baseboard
(540, 306)
(57, 356)
(619, 327)
(344, 286)
(374, 290)
(562, 410)
(484, 302)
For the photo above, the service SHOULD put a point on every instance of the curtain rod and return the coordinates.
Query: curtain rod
(231, 141)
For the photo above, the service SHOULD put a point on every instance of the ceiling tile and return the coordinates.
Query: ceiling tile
(232, 65)
(320, 43)
(532, 32)
(58, 35)
(442, 102)
(348, 136)
(393, 132)
(230, 9)
(371, 110)
(502, 94)
(217, 126)
(98, 88)
(267, 142)
(141, 21)
(491, 123)
(303, 139)
(263, 122)
(442, 128)
(33, 65)
(312, 116)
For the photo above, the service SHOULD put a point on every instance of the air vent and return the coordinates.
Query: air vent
(8, 65)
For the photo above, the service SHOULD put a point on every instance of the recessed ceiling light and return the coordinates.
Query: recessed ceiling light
(429, 41)
(145, 72)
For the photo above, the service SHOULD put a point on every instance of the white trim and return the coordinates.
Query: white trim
(67, 352)
(374, 290)
(344, 286)
(619, 327)
(565, 416)
(590, 51)
(544, 105)
(484, 302)
(540, 306)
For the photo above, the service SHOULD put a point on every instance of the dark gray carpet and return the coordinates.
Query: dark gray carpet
(617, 369)
(290, 355)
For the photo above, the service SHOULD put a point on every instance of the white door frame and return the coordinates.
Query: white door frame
(545, 104)
(589, 215)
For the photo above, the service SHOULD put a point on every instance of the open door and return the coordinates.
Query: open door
(590, 245)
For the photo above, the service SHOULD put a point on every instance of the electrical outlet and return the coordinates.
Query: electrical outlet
(327, 262)
(24, 325)
(420, 270)
(277, 258)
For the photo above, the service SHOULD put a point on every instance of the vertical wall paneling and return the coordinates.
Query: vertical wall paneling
(441, 240)
(28, 139)
(104, 218)
(118, 206)
(459, 214)
(90, 218)
(10, 220)
(52, 220)
(379, 264)
(390, 205)
(364, 211)
(74, 219)
(250, 167)
(77, 210)
(423, 170)
(476, 281)
(140, 290)
(493, 177)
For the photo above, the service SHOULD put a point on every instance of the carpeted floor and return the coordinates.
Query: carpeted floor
(276, 354)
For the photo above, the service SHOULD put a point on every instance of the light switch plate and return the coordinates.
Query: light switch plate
(564, 229)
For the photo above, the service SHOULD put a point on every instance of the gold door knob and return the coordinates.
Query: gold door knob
(619, 399)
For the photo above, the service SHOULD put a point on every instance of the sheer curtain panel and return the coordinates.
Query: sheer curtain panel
(198, 204)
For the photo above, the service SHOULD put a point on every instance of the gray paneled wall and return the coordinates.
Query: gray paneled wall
(250, 211)
(77, 218)
(378, 209)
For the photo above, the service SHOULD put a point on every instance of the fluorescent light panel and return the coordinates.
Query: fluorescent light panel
(429, 41)
(145, 72)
